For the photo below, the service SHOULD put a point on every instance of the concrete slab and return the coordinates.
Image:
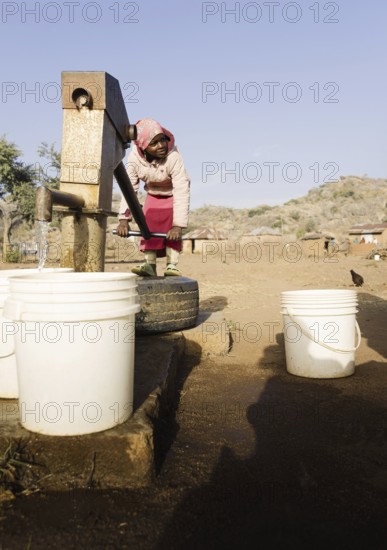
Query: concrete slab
(123, 456)
(211, 334)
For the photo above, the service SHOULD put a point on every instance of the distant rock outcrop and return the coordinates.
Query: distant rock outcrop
(331, 208)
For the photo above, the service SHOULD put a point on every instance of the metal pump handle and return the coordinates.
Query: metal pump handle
(132, 233)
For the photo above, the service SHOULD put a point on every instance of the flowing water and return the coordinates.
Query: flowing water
(41, 239)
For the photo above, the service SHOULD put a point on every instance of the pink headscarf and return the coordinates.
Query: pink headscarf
(147, 129)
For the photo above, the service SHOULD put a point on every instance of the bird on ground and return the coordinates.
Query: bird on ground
(356, 278)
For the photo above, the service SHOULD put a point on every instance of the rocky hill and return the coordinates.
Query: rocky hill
(331, 208)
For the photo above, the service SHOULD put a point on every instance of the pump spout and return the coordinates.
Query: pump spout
(46, 198)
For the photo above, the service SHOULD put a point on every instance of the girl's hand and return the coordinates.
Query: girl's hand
(174, 234)
(123, 228)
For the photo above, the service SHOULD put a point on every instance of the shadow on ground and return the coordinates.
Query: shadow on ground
(318, 475)
(166, 425)
(372, 317)
(215, 303)
(317, 479)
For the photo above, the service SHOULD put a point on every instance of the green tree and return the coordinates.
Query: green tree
(49, 172)
(17, 189)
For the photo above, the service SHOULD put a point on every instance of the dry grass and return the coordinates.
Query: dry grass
(18, 470)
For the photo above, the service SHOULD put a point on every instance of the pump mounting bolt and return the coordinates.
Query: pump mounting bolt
(131, 132)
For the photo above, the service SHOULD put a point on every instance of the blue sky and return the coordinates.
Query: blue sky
(266, 99)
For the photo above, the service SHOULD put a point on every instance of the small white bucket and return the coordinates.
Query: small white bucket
(8, 375)
(320, 331)
(74, 335)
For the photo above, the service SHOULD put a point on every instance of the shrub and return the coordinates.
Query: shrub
(310, 226)
(295, 215)
(292, 201)
(259, 210)
(13, 255)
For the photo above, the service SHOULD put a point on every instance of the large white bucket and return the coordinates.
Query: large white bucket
(8, 375)
(74, 335)
(320, 331)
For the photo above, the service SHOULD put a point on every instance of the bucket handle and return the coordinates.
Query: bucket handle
(8, 354)
(323, 344)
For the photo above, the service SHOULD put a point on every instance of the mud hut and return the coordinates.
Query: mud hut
(261, 235)
(194, 241)
(317, 244)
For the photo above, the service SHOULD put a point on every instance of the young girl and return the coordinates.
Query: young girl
(156, 161)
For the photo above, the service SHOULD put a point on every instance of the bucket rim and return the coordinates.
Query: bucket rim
(323, 312)
(320, 298)
(72, 276)
(318, 292)
(318, 303)
(17, 311)
(6, 274)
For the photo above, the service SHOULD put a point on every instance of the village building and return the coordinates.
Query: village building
(262, 234)
(317, 244)
(195, 241)
(366, 237)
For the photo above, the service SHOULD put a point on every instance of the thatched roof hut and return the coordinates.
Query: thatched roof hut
(194, 240)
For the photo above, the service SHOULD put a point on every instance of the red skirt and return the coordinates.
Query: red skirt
(158, 212)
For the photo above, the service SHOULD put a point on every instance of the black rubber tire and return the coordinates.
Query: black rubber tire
(167, 304)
